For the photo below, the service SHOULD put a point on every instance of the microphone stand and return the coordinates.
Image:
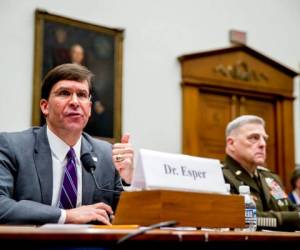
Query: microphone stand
(100, 188)
(146, 229)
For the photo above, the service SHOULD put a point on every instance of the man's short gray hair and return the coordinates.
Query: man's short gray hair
(242, 120)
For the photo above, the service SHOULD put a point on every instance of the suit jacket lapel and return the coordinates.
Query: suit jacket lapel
(245, 177)
(88, 185)
(265, 188)
(240, 173)
(43, 164)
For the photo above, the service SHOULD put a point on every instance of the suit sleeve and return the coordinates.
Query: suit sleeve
(23, 211)
(118, 187)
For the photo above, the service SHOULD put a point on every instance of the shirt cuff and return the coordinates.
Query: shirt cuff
(62, 218)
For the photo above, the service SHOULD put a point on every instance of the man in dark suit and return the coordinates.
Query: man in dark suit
(246, 141)
(42, 177)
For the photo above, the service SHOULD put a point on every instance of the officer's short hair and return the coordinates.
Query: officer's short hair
(242, 120)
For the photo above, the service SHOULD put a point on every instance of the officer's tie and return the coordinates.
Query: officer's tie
(68, 194)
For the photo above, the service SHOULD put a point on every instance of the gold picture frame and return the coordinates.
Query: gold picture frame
(98, 48)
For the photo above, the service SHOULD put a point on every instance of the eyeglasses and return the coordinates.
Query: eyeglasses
(66, 94)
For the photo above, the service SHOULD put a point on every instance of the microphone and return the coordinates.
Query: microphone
(89, 164)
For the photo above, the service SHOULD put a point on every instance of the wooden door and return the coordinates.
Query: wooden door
(216, 109)
(265, 109)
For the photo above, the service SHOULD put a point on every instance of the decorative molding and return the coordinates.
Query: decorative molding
(240, 71)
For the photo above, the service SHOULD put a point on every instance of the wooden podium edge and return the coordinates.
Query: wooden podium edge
(187, 208)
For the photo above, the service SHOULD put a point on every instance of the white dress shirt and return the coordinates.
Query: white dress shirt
(59, 150)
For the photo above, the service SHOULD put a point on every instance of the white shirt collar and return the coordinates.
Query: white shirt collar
(60, 149)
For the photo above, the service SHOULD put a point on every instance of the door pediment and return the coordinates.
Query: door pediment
(238, 66)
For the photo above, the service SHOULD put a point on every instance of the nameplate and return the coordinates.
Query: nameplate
(158, 170)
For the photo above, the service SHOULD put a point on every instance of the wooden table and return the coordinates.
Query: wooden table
(106, 238)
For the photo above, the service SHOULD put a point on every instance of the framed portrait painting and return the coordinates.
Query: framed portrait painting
(61, 40)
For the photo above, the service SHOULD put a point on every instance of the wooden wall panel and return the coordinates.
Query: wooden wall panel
(266, 110)
(189, 126)
(214, 112)
(287, 146)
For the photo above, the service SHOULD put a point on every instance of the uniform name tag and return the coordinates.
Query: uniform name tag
(158, 170)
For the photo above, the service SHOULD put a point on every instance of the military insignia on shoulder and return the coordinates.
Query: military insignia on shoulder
(263, 169)
(275, 190)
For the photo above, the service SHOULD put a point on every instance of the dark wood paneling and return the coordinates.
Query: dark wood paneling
(214, 112)
(266, 110)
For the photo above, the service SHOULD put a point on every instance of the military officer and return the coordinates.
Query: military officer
(246, 140)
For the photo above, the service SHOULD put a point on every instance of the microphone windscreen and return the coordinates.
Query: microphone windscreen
(88, 162)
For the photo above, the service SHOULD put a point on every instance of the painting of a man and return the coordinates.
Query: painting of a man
(65, 43)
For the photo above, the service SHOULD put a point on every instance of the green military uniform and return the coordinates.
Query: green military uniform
(274, 209)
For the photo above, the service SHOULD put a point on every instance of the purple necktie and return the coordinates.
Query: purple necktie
(68, 194)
